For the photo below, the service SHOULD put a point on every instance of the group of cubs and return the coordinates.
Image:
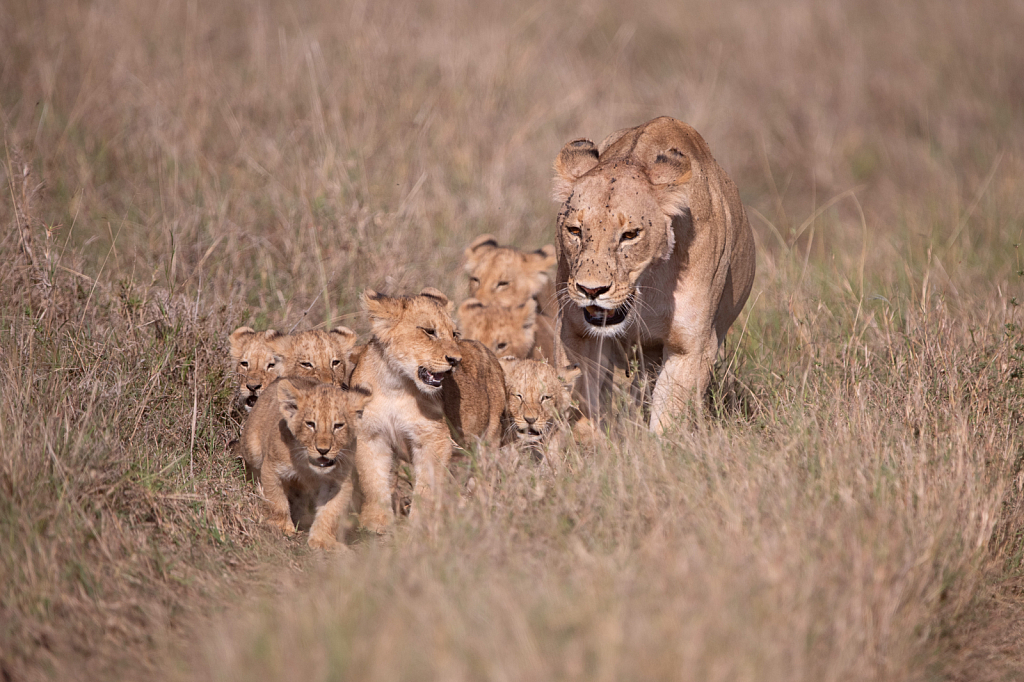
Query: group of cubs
(655, 260)
(327, 416)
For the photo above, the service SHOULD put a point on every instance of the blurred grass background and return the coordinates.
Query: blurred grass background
(172, 170)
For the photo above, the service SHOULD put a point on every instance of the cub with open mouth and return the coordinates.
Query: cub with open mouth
(423, 378)
(299, 442)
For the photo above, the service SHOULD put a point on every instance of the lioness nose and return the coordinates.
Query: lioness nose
(453, 360)
(591, 292)
(253, 387)
(323, 451)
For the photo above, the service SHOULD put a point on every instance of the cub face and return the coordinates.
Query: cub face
(320, 417)
(418, 335)
(537, 397)
(616, 219)
(317, 354)
(256, 363)
(504, 330)
(505, 276)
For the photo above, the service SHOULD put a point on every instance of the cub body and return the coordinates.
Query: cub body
(257, 363)
(421, 378)
(299, 441)
(655, 255)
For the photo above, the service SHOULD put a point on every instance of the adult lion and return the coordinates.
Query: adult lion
(655, 255)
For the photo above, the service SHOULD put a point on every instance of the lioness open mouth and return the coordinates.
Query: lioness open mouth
(322, 462)
(431, 378)
(602, 317)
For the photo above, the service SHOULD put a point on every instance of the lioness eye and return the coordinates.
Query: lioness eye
(629, 235)
(311, 425)
(574, 230)
(244, 363)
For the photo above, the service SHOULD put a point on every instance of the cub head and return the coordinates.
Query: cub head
(320, 418)
(417, 335)
(256, 362)
(537, 397)
(317, 354)
(505, 330)
(503, 275)
(616, 220)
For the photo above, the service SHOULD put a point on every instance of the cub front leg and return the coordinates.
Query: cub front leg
(276, 499)
(430, 456)
(373, 463)
(332, 500)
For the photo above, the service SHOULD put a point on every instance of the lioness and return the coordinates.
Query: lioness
(538, 399)
(504, 330)
(422, 378)
(298, 440)
(257, 362)
(506, 276)
(655, 251)
(317, 354)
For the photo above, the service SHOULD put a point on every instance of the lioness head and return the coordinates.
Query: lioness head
(616, 219)
(503, 275)
(537, 396)
(505, 330)
(317, 354)
(320, 418)
(256, 362)
(417, 335)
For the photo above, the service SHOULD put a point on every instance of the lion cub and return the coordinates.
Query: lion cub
(257, 362)
(504, 330)
(317, 354)
(507, 276)
(422, 378)
(539, 401)
(299, 441)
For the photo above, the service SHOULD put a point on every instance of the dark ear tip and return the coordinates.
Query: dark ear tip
(581, 143)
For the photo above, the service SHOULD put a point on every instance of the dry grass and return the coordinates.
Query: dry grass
(851, 508)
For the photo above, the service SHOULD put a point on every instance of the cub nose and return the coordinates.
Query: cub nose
(323, 451)
(591, 292)
(253, 387)
(453, 360)
(530, 420)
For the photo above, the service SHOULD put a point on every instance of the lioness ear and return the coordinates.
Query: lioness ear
(669, 173)
(576, 158)
(237, 339)
(287, 398)
(569, 376)
(344, 337)
(477, 248)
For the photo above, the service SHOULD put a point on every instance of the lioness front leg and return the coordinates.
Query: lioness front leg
(278, 509)
(373, 462)
(680, 386)
(332, 501)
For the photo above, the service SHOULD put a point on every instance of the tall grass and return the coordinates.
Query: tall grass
(850, 507)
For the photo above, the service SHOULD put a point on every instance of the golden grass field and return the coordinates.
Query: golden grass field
(849, 508)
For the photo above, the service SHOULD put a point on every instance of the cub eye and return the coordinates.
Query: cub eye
(307, 365)
(429, 331)
(544, 398)
(244, 363)
(335, 363)
(502, 345)
(501, 284)
(474, 281)
(574, 230)
(456, 334)
(269, 364)
(516, 395)
(629, 235)
(311, 425)
(339, 426)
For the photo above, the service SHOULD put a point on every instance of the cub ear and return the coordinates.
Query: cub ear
(384, 311)
(438, 295)
(528, 311)
(237, 339)
(287, 398)
(569, 376)
(541, 259)
(669, 173)
(576, 158)
(470, 305)
(508, 362)
(344, 337)
(358, 398)
(477, 248)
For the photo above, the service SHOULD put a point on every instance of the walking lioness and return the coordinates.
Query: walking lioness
(655, 255)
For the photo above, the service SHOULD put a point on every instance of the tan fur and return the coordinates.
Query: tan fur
(422, 378)
(506, 276)
(539, 401)
(295, 427)
(504, 330)
(256, 362)
(652, 229)
(317, 354)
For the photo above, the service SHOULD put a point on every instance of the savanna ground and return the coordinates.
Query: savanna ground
(850, 507)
